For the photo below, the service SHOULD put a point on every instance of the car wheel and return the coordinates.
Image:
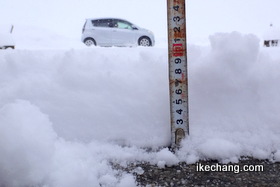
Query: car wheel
(89, 41)
(144, 41)
(10, 47)
(7, 47)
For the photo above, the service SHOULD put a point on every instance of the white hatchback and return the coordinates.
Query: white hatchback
(115, 32)
(6, 38)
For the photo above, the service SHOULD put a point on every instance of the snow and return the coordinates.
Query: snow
(272, 33)
(67, 111)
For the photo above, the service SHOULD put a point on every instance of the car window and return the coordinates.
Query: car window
(102, 23)
(123, 25)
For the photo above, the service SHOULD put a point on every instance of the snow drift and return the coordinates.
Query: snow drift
(234, 103)
(65, 114)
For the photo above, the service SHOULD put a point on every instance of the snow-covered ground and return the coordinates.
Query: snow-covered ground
(66, 110)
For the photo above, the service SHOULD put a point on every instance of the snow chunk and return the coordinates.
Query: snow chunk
(166, 157)
(27, 144)
(220, 149)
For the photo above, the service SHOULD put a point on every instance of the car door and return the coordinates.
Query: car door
(102, 29)
(123, 33)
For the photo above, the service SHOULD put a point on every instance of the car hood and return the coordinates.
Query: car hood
(145, 30)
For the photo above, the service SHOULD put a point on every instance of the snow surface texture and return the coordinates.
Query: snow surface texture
(66, 114)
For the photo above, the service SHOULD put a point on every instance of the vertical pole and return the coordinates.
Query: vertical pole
(12, 28)
(178, 72)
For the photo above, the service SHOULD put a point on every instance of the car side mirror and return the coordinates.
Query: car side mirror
(134, 28)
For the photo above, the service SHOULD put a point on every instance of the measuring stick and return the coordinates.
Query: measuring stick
(178, 74)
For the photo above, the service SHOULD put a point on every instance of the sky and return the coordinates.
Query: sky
(204, 17)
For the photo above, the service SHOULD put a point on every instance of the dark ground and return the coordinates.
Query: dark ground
(181, 175)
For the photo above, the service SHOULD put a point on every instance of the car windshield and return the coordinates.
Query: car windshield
(123, 25)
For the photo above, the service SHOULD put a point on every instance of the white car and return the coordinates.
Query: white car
(6, 38)
(115, 32)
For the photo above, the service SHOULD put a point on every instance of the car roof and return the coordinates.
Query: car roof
(106, 18)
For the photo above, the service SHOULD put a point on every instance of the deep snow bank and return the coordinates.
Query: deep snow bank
(76, 109)
(234, 101)
(114, 94)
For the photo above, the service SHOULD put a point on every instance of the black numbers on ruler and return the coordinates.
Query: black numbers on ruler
(178, 91)
(180, 111)
(178, 61)
(177, 29)
(178, 101)
(176, 7)
(179, 122)
(178, 71)
(178, 53)
(176, 18)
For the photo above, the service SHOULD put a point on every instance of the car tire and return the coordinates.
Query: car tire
(89, 42)
(144, 41)
(11, 47)
(7, 47)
